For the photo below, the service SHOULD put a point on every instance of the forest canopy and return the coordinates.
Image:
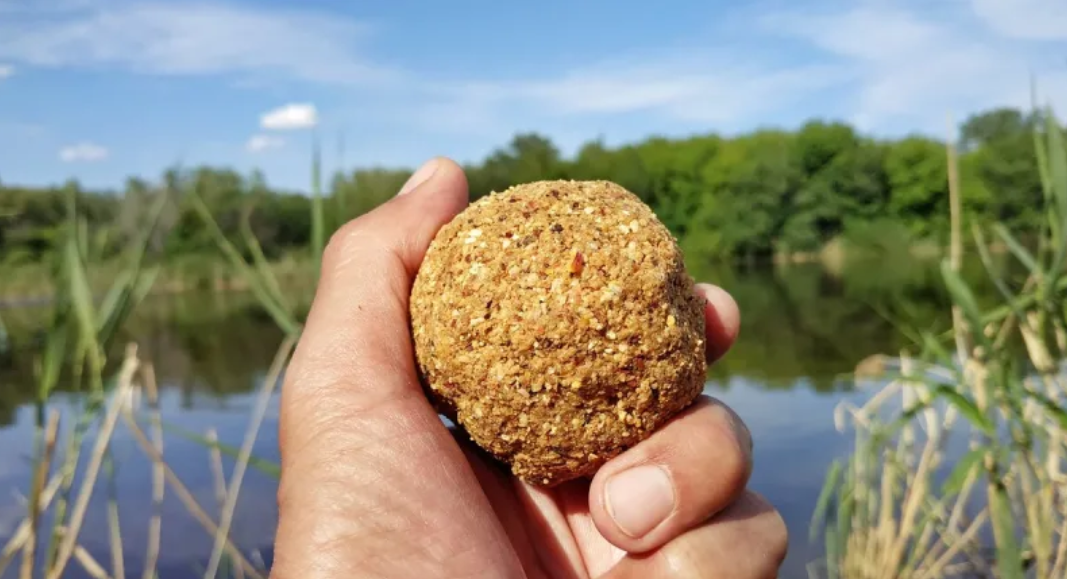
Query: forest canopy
(766, 192)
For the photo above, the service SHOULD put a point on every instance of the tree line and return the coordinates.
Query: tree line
(771, 191)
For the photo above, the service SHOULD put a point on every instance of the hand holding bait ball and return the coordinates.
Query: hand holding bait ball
(555, 323)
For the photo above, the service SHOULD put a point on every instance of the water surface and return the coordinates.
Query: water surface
(804, 328)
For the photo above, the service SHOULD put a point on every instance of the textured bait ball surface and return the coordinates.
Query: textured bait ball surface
(555, 322)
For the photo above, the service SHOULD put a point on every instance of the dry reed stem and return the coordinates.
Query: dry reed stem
(186, 497)
(155, 524)
(956, 241)
(44, 466)
(22, 532)
(1060, 564)
(215, 462)
(878, 550)
(260, 410)
(118, 564)
(92, 471)
(85, 559)
(219, 476)
(94, 569)
(933, 570)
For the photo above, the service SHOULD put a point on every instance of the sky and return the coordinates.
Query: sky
(102, 89)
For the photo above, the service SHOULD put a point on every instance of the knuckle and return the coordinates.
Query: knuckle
(773, 529)
(345, 241)
(779, 534)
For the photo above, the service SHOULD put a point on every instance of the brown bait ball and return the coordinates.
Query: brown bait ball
(556, 323)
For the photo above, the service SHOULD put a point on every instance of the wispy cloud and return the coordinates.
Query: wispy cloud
(87, 152)
(260, 143)
(708, 89)
(900, 65)
(194, 38)
(1026, 19)
(907, 67)
(6, 70)
(290, 117)
(887, 65)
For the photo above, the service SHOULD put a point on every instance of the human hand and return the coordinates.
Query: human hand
(375, 485)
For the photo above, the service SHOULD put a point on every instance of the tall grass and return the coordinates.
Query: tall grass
(957, 468)
(81, 332)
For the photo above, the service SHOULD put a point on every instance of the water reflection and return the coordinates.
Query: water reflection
(803, 328)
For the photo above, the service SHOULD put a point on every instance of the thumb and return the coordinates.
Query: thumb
(373, 484)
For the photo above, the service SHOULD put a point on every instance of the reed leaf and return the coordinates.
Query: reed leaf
(964, 468)
(1018, 250)
(1054, 409)
(966, 407)
(318, 232)
(281, 316)
(825, 496)
(997, 278)
(266, 467)
(964, 298)
(259, 260)
(1008, 561)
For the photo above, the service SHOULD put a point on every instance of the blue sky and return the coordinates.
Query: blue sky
(100, 89)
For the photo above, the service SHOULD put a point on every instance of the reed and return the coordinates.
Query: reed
(957, 463)
(81, 331)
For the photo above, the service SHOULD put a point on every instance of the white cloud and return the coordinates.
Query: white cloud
(909, 68)
(289, 117)
(84, 152)
(686, 93)
(709, 89)
(1028, 19)
(195, 37)
(6, 70)
(258, 143)
(887, 65)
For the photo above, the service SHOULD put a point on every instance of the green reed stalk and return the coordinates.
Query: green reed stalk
(880, 513)
(318, 226)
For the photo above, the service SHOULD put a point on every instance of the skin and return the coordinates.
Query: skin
(374, 485)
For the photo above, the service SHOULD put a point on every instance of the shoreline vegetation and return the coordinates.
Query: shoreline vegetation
(772, 195)
(888, 510)
(957, 466)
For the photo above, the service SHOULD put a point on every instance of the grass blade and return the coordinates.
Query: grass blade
(1057, 175)
(1056, 410)
(283, 318)
(260, 262)
(1009, 562)
(265, 466)
(964, 468)
(964, 298)
(51, 362)
(81, 295)
(5, 339)
(318, 233)
(1017, 249)
(823, 502)
(966, 407)
(1057, 162)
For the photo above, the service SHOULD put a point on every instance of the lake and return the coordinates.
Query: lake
(804, 329)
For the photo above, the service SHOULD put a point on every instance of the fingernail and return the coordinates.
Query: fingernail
(419, 177)
(640, 499)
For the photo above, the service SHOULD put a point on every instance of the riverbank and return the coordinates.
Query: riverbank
(30, 284)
